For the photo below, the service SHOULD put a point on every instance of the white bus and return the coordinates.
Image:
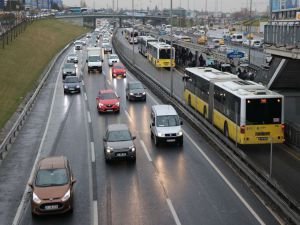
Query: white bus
(143, 44)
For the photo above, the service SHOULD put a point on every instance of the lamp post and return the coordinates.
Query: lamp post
(249, 30)
(171, 52)
(133, 61)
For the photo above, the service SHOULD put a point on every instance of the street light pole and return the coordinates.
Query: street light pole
(249, 30)
(171, 52)
(133, 32)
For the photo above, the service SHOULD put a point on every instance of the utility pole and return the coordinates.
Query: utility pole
(249, 30)
(133, 61)
(171, 52)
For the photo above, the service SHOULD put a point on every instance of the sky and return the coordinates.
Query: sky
(212, 5)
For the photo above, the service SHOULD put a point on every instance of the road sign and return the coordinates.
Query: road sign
(235, 54)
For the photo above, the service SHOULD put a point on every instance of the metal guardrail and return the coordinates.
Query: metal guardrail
(292, 134)
(285, 203)
(12, 134)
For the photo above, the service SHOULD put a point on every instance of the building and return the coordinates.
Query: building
(285, 9)
(42, 4)
(1, 4)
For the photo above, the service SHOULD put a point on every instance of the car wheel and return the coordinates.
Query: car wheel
(180, 143)
(156, 142)
(118, 111)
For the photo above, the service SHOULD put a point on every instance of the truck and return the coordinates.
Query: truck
(94, 59)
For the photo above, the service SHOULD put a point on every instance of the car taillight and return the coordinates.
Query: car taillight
(282, 127)
(242, 129)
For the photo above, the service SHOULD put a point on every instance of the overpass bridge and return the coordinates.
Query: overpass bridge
(90, 19)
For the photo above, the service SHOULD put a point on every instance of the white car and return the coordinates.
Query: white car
(105, 40)
(133, 40)
(113, 58)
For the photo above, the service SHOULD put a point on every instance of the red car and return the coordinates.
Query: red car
(108, 101)
(118, 69)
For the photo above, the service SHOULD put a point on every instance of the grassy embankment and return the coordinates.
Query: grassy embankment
(23, 61)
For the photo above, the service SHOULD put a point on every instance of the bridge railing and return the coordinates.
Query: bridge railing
(282, 34)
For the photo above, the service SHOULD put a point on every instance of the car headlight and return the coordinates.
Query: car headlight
(179, 133)
(131, 93)
(73, 71)
(64, 72)
(159, 134)
(35, 198)
(118, 104)
(100, 105)
(65, 87)
(144, 93)
(132, 148)
(109, 149)
(66, 196)
(77, 86)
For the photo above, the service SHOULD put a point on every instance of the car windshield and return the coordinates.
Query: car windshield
(69, 66)
(113, 57)
(118, 67)
(119, 135)
(136, 86)
(51, 177)
(94, 58)
(167, 121)
(108, 96)
(71, 80)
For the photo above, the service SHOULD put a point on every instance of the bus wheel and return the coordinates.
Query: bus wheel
(226, 133)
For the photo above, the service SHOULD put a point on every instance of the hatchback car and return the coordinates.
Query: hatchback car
(68, 69)
(108, 101)
(72, 58)
(118, 69)
(107, 48)
(113, 58)
(118, 143)
(52, 186)
(135, 91)
(71, 84)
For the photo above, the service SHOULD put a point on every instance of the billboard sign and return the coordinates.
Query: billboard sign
(283, 5)
(298, 16)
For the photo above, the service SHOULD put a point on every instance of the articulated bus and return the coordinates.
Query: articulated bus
(159, 54)
(143, 44)
(246, 112)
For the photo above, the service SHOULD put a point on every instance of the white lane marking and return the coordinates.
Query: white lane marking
(89, 116)
(93, 151)
(175, 216)
(225, 179)
(85, 97)
(145, 150)
(95, 212)
(27, 189)
(109, 82)
(128, 116)
(82, 82)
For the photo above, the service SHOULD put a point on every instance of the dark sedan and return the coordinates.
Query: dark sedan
(71, 84)
(68, 69)
(135, 91)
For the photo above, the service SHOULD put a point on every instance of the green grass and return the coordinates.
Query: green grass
(23, 60)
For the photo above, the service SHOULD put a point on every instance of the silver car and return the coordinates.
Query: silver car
(113, 58)
(118, 143)
(68, 69)
(72, 58)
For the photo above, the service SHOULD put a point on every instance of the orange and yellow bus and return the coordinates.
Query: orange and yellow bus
(159, 54)
(246, 112)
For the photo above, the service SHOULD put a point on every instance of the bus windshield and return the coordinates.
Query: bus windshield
(165, 53)
(263, 111)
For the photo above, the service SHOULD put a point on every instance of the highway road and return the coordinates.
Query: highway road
(167, 185)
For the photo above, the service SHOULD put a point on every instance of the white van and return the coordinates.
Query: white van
(237, 38)
(165, 125)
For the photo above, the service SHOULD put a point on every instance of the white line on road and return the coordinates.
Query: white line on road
(128, 116)
(225, 179)
(85, 97)
(93, 151)
(177, 221)
(146, 151)
(95, 212)
(27, 189)
(109, 82)
(89, 117)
